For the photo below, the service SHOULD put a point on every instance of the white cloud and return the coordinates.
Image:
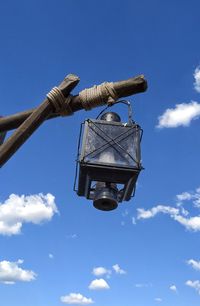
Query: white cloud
(173, 288)
(141, 285)
(133, 220)
(150, 213)
(159, 300)
(187, 196)
(51, 256)
(181, 115)
(17, 210)
(194, 284)
(99, 271)
(72, 236)
(118, 270)
(10, 272)
(98, 284)
(178, 213)
(195, 264)
(184, 211)
(197, 79)
(125, 213)
(76, 299)
(184, 196)
(191, 223)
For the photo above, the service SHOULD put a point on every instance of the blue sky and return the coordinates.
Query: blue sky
(55, 248)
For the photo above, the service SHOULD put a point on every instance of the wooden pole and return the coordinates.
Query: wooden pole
(123, 88)
(34, 120)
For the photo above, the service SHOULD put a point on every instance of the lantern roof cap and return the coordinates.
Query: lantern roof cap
(111, 116)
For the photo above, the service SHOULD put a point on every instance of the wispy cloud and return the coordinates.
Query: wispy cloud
(194, 264)
(194, 284)
(191, 223)
(118, 270)
(187, 196)
(17, 210)
(99, 284)
(76, 299)
(125, 213)
(197, 79)
(10, 272)
(150, 213)
(178, 214)
(181, 115)
(159, 300)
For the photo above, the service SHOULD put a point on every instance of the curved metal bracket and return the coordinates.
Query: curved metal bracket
(130, 111)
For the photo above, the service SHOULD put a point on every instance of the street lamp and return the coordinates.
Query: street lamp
(59, 102)
(109, 160)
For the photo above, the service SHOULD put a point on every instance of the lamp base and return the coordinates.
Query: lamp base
(105, 197)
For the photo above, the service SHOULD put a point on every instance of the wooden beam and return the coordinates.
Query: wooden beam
(33, 121)
(123, 88)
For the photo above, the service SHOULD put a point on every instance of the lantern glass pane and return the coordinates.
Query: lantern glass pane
(113, 144)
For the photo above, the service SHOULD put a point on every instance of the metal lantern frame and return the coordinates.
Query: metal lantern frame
(90, 172)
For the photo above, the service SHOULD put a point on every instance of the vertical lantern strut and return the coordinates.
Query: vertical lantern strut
(105, 194)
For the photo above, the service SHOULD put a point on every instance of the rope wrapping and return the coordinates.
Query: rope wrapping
(60, 103)
(98, 95)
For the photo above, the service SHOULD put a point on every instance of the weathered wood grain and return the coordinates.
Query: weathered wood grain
(123, 88)
(34, 120)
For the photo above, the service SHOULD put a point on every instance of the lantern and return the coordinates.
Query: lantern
(109, 160)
